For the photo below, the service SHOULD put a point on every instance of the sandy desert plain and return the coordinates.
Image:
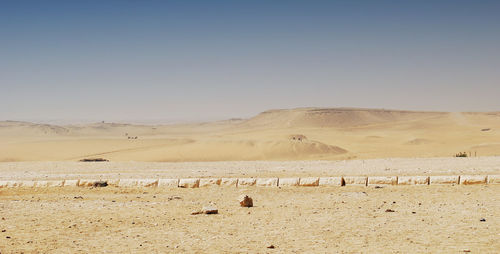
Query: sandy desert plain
(300, 142)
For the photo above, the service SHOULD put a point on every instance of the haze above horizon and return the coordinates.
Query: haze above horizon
(211, 60)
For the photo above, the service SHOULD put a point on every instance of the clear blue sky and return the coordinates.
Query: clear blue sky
(189, 60)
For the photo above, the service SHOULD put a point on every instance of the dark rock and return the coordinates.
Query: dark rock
(94, 160)
(245, 201)
(100, 184)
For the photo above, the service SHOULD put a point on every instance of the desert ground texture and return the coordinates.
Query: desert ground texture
(304, 142)
(392, 219)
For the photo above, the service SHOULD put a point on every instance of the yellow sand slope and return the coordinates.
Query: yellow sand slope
(325, 133)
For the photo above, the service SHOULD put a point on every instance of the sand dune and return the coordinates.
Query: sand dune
(328, 133)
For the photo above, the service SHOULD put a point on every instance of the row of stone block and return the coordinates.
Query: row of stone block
(265, 182)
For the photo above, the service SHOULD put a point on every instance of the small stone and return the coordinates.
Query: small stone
(245, 201)
(389, 211)
(271, 246)
(482, 220)
(206, 210)
(210, 210)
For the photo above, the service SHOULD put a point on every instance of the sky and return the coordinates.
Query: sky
(210, 60)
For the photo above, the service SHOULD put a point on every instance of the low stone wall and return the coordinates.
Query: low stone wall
(261, 182)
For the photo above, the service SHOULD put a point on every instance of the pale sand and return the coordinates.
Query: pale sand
(372, 167)
(430, 219)
(331, 134)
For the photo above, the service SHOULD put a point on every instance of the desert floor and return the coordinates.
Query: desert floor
(373, 167)
(429, 219)
(345, 219)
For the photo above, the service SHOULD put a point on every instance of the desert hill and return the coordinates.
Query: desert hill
(333, 117)
(29, 129)
(289, 134)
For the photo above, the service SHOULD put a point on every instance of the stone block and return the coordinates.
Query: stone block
(113, 182)
(207, 182)
(12, 184)
(87, 182)
(267, 182)
(443, 180)
(287, 182)
(168, 183)
(50, 183)
(229, 182)
(472, 179)
(330, 181)
(309, 181)
(147, 182)
(382, 180)
(15, 183)
(189, 183)
(355, 180)
(28, 184)
(72, 183)
(413, 180)
(493, 179)
(127, 183)
(246, 182)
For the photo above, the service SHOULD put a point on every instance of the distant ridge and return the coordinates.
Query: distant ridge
(334, 117)
(298, 117)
